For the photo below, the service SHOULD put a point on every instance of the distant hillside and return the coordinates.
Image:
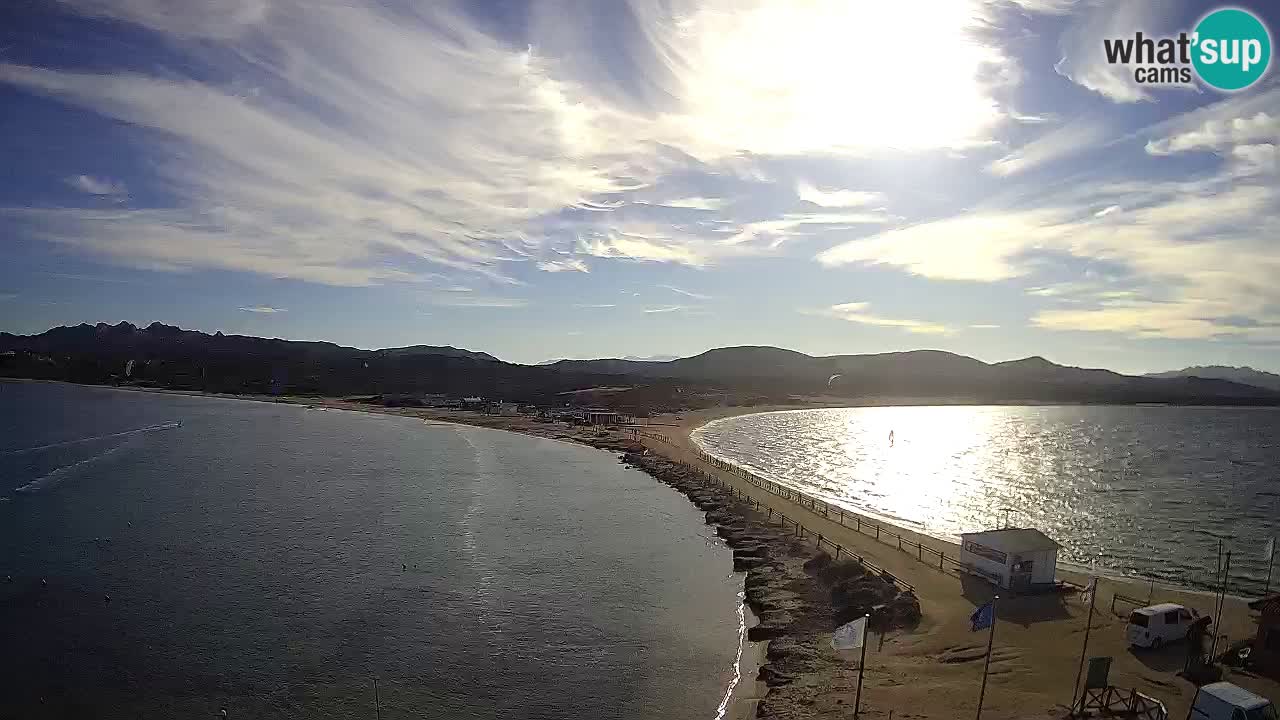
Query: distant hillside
(446, 350)
(1244, 375)
(167, 356)
(924, 373)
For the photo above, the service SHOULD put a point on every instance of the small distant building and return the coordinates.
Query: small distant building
(600, 417)
(1266, 644)
(1015, 559)
(503, 408)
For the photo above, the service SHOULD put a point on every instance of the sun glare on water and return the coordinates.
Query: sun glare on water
(794, 76)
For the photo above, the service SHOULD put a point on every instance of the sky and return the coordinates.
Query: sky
(581, 178)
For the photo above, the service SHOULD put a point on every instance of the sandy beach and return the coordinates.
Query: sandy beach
(932, 670)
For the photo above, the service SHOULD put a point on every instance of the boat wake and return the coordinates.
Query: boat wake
(50, 479)
(65, 443)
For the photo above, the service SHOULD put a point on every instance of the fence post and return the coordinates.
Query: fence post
(859, 523)
(877, 531)
(819, 540)
(841, 516)
(941, 557)
(899, 542)
(919, 552)
(1113, 603)
(837, 552)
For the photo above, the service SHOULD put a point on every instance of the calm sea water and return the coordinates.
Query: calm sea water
(1140, 490)
(274, 560)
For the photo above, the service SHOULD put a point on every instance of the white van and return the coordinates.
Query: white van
(1224, 701)
(1158, 625)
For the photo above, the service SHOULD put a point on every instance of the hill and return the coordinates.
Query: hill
(1245, 375)
(166, 356)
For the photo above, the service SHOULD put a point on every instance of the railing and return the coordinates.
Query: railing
(1117, 701)
(884, 533)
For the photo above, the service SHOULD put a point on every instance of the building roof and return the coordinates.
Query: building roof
(1158, 608)
(1234, 695)
(1021, 539)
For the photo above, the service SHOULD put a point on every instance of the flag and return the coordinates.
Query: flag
(1269, 551)
(983, 617)
(850, 636)
(1090, 589)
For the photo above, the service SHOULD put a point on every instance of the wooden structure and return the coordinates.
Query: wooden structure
(1115, 701)
(1017, 559)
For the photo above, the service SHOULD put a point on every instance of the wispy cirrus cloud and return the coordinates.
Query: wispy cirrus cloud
(686, 293)
(101, 187)
(858, 312)
(363, 143)
(263, 309)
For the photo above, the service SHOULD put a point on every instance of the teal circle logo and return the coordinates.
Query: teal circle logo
(1232, 49)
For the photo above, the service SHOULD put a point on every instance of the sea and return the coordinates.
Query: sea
(174, 556)
(1144, 491)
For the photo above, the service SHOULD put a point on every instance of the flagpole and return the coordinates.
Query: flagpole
(862, 666)
(1088, 625)
(1271, 561)
(982, 693)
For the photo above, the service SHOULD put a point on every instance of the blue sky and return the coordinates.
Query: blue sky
(594, 179)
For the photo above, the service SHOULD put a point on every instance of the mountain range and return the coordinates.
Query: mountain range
(1245, 375)
(167, 356)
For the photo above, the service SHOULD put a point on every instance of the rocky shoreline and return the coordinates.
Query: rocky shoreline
(798, 593)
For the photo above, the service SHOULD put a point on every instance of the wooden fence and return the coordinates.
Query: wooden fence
(886, 534)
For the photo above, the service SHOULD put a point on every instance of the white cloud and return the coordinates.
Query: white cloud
(477, 301)
(686, 293)
(363, 143)
(1083, 59)
(856, 312)
(1054, 145)
(1218, 134)
(978, 246)
(837, 198)
(595, 305)
(98, 186)
(694, 203)
(1107, 211)
(984, 326)
(554, 266)
(265, 309)
(206, 18)
(664, 309)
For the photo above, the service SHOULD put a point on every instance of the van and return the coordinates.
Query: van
(1224, 701)
(1157, 625)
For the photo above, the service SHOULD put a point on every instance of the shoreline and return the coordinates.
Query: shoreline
(930, 669)
(902, 525)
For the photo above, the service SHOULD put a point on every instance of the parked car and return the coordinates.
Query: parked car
(1224, 701)
(1157, 625)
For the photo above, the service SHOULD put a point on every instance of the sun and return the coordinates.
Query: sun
(790, 76)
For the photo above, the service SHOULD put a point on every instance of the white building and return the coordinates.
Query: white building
(1012, 558)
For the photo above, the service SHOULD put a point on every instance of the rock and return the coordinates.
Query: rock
(748, 562)
(817, 563)
(834, 572)
(773, 676)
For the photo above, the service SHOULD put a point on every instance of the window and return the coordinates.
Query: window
(1171, 617)
(1138, 619)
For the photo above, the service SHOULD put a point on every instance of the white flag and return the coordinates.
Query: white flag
(1089, 590)
(1270, 550)
(850, 636)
